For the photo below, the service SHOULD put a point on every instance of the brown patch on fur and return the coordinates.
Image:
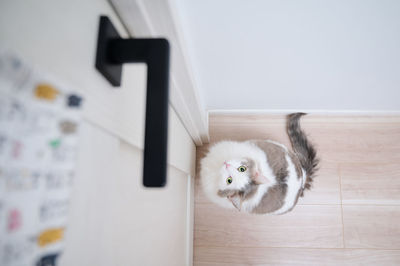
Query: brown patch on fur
(248, 192)
(236, 202)
(297, 165)
(250, 164)
(272, 200)
(276, 159)
(226, 192)
(238, 196)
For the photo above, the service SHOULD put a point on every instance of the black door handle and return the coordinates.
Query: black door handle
(112, 52)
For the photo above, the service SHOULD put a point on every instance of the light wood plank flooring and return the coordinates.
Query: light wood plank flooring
(350, 217)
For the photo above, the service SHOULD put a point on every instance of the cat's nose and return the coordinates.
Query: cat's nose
(227, 164)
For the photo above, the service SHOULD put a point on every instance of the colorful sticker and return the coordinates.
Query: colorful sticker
(68, 127)
(48, 260)
(50, 236)
(46, 92)
(16, 149)
(74, 101)
(14, 220)
(55, 143)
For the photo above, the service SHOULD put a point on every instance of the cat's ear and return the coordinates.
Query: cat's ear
(236, 201)
(260, 179)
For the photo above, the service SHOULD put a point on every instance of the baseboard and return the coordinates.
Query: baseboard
(190, 220)
(308, 111)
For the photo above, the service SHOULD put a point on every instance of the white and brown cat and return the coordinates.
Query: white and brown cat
(260, 176)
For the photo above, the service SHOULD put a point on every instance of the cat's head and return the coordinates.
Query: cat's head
(228, 169)
(237, 178)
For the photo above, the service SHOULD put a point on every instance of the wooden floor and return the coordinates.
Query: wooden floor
(350, 217)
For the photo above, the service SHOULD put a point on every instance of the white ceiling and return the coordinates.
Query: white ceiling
(310, 54)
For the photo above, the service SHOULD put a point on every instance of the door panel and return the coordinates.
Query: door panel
(113, 219)
(90, 199)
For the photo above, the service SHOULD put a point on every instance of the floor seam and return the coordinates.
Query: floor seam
(341, 204)
(283, 247)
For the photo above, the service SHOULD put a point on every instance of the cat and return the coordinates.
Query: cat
(260, 176)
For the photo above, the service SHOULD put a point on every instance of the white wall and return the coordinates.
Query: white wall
(310, 54)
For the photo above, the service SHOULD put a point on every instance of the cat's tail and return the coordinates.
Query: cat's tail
(304, 150)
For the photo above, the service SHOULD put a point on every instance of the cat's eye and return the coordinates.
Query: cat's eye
(229, 180)
(242, 168)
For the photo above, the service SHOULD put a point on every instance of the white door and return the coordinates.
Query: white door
(114, 220)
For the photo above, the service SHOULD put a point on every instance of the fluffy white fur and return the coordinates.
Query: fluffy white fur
(214, 174)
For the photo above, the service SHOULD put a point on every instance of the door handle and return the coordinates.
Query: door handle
(112, 52)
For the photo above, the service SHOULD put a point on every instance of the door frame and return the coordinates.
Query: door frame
(159, 19)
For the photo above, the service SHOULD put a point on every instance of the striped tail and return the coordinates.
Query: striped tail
(304, 150)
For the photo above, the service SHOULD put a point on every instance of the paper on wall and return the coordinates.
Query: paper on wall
(39, 126)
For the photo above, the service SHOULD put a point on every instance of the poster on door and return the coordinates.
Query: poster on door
(39, 126)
